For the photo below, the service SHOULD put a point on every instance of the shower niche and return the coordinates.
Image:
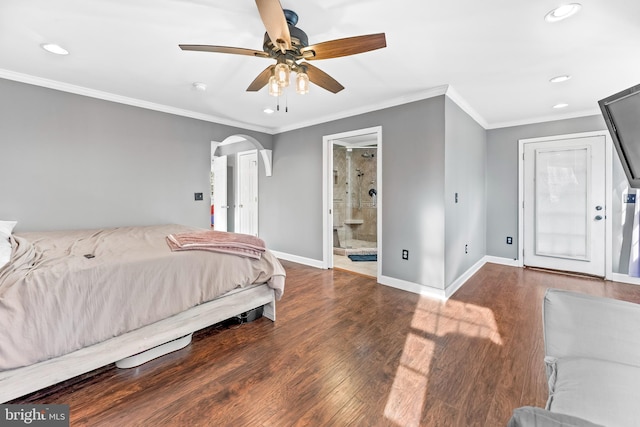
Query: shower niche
(354, 197)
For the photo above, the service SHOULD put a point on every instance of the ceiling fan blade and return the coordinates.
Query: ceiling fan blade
(322, 79)
(224, 49)
(262, 79)
(344, 47)
(274, 21)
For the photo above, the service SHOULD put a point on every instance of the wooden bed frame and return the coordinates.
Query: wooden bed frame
(170, 334)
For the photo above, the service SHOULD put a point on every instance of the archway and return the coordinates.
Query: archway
(234, 198)
(265, 153)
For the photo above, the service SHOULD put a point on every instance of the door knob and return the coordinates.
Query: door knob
(598, 208)
(598, 217)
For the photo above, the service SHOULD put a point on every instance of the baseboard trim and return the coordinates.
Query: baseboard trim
(462, 279)
(503, 261)
(445, 294)
(625, 278)
(428, 291)
(615, 277)
(412, 287)
(300, 260)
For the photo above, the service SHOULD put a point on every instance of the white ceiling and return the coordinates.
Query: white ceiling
(496, 56)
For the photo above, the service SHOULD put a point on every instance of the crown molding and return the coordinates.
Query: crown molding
(107, 96)
(417, 96)
(466, 107)
(446, 90)
(542, 119)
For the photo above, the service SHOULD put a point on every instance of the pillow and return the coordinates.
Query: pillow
(529, 416)
(6, 228)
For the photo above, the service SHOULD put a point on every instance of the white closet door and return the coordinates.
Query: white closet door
(247, 197)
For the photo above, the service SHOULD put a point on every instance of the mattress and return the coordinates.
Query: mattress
(66, 290)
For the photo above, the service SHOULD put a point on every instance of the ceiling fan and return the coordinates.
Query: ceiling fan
(289, 46)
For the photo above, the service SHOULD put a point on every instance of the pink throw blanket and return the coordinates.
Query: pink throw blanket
(217, 241)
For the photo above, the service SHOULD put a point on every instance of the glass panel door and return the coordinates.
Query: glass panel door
(562, 178)
(564, 212)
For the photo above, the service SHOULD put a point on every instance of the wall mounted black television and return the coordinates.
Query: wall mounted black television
(622, 114)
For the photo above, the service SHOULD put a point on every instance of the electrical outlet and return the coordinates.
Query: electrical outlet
(198, 196)
(509, 240)
(466, 249)
(405, 254)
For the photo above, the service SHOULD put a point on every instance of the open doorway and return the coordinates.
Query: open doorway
(352, 201)
(234, 183)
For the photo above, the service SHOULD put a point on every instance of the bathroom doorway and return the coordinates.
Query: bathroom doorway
(353, 201)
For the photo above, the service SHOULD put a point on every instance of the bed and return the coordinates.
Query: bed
(73, 301)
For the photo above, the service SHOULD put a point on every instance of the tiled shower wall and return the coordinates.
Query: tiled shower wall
(351, 199)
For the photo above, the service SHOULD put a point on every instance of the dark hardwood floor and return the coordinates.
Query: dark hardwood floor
(346, 351)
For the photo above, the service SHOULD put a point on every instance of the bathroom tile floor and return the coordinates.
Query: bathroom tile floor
(367, 268)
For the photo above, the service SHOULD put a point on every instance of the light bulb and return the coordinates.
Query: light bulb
(302, 83)
(274, 88)
(282, 73)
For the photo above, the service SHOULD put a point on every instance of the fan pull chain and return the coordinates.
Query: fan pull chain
(286, 104)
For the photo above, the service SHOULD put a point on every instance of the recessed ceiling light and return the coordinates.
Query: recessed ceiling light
(54, 48)
(201, 87)
(560, 79)
(562, 12)
(268, 110)
(561, 105)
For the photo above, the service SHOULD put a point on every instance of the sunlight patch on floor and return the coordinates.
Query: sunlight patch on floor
(455, 317)
(431, 321)
(407, 395)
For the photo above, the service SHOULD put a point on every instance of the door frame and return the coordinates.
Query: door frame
(608, 244)
(213, 196)
(327, 192)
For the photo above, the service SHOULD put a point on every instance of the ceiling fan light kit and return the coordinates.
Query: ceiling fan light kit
(274, 86)
(282, 72)
(289, 46)
(302, 83)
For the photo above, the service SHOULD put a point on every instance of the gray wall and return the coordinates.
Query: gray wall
(465, 167)
(70, 161)
(621, 214)
(502, 186)
(412, 189)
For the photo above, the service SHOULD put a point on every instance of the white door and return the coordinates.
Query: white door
(247, 196)
(564, 205)
(219, 199)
